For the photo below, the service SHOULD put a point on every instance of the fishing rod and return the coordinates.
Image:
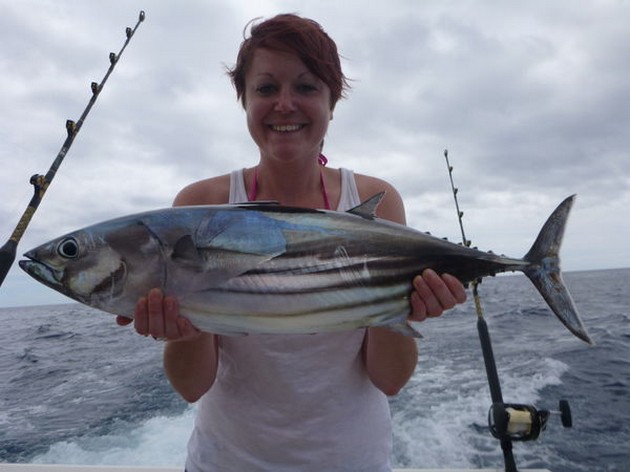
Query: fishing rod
(484, 337)
(41, 183)
(508, 422)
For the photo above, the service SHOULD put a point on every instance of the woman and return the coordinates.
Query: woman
(291, 402)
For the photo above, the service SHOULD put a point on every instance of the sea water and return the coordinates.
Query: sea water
(77, 389)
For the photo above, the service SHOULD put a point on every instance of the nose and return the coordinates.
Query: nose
(285, 101)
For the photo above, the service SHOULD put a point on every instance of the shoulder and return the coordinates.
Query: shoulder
(391, 206)
(211, 191)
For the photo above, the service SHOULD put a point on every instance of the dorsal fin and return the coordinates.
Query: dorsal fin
(367, 209)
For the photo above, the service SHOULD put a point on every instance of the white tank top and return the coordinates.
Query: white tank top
(349, 197)
(286, 403)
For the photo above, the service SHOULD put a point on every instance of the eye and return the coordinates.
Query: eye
(68, 248)
(265, 90)
(306, 88)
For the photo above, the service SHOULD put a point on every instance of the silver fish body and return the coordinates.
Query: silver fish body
(265, 268)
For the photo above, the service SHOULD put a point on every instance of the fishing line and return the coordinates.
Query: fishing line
(41, 183)
(507, 421)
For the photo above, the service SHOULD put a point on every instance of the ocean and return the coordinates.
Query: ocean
(77, 389)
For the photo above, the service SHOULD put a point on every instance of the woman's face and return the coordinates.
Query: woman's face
(288, 108)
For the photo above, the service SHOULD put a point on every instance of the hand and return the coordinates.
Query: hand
(158, 316)
(433, 294)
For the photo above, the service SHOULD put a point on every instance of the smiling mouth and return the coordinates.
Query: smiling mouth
(286, 128)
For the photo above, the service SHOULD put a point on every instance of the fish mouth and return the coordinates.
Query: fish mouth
(43, 273)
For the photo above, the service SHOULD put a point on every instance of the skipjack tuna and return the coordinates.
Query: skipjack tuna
(264, 268)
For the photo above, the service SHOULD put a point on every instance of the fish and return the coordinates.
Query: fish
(260, 267)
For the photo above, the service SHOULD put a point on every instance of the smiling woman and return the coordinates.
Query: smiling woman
(264, 400)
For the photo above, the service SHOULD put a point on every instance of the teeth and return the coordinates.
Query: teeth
(286, 128)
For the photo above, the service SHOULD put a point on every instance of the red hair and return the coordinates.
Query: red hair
(301, 36)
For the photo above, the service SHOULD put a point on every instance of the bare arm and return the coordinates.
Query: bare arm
(390, 358)
(190, 356)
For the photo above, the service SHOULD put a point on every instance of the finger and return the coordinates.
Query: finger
(418, 308)
(456, 288)
(426, 286)
(171, 314)
(156, 313)
(141, 317)
(186, 329)
(441, 290)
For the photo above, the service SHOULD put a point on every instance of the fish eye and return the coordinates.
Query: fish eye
(68, 248)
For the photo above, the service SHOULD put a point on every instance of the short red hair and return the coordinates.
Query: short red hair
(301, 36)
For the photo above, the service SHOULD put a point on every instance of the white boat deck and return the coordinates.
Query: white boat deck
(107, 468)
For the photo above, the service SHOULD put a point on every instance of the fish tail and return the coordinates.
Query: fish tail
(544, 270)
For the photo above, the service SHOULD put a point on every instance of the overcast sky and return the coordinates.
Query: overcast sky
(532, 100)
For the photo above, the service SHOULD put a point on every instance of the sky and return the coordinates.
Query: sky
(531, 99)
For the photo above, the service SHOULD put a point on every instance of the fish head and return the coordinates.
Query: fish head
(107, 266)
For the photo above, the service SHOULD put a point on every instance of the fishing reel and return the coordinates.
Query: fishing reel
(522, 422)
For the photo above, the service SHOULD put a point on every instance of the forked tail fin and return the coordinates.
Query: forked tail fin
(544, 270)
